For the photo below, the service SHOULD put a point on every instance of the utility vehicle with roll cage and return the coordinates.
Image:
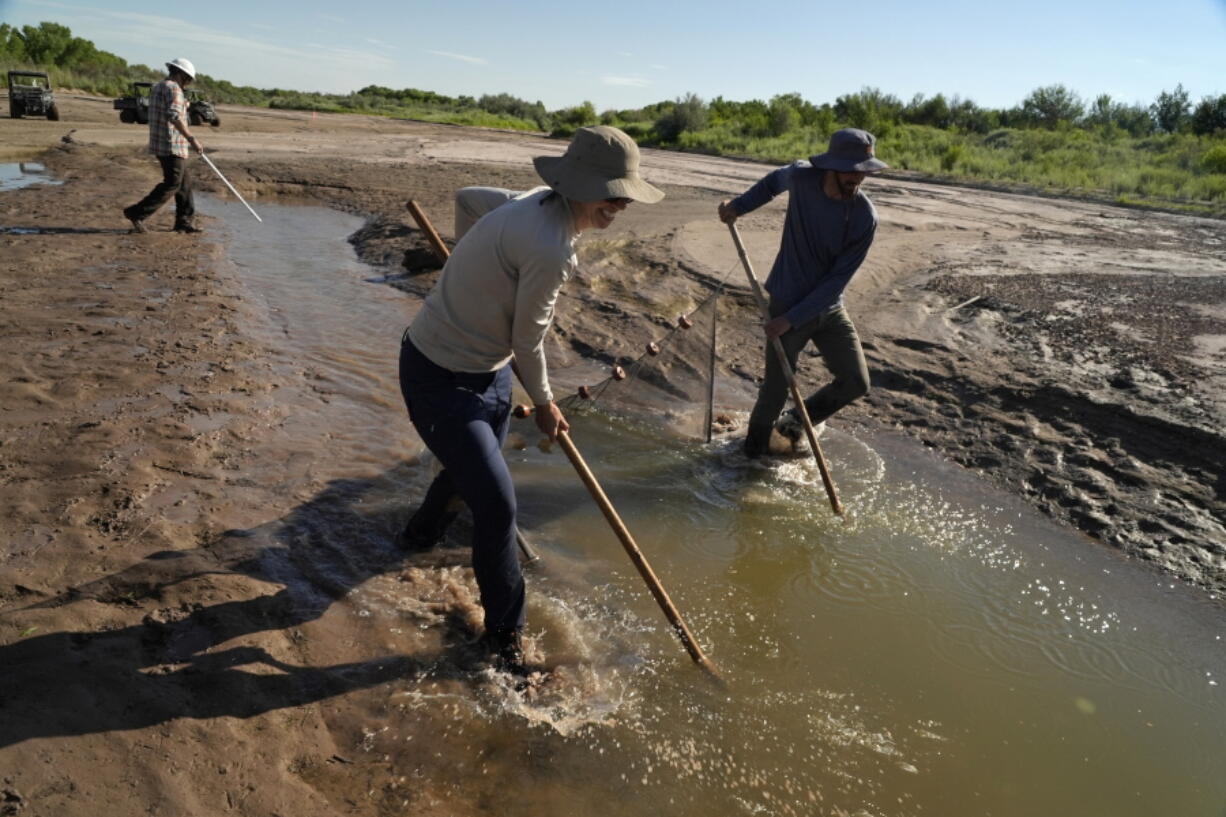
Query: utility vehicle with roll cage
(30, 95)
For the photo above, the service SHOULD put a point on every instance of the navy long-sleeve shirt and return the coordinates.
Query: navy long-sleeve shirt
(824, 240)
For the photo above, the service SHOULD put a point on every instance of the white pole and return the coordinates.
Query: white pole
(232, 190)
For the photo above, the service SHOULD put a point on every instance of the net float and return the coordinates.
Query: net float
(585, 392)
(653, 348)
(619, 373)
(684, 321)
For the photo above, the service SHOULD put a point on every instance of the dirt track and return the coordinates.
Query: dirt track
(1074, 353)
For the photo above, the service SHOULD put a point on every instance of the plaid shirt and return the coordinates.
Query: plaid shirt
(166, 105)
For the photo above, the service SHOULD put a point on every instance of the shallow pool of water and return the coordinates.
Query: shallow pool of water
(945, 651)
(14, 175)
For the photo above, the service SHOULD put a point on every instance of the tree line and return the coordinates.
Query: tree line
(1051, 107)
(1172, 148)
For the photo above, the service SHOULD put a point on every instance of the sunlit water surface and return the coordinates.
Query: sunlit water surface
(944, 651)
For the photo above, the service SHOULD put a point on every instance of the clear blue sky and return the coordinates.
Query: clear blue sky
(630, 53)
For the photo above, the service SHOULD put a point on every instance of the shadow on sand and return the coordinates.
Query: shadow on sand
(167, 667)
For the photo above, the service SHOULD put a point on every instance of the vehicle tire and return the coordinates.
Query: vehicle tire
(53, 113)
(128, 117)
(216, 123)
(15, 110)
(193, 119)
(143, 119)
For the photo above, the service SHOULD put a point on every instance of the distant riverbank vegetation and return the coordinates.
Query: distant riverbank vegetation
(1170, 152)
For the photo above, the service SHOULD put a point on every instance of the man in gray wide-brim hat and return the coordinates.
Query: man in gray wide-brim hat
(827, 233)
(492, 306)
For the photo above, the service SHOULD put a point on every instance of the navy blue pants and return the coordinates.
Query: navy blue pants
(463, 418)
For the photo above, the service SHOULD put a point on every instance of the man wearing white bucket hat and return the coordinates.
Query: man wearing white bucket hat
(169, 138)
(828, 230)
(492, 306)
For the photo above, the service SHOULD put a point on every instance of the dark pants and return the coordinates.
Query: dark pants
(463, 419)
(177, 182)
(835, 337)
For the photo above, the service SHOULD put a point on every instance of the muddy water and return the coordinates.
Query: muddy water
(331, 332)
(943, 652)
(15, 175)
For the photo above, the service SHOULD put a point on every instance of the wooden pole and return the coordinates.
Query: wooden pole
(632, 549)
(529, 554)
(835, 504)
(711, 369)
(423, 224)
(636, 555)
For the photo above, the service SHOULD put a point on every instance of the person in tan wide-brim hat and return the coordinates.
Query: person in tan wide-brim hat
(493, 305)
(601, 163)
(600, 167)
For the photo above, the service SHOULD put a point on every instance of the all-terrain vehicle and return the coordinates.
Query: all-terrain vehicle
(135, 108)
(30, 95)
(200, 110)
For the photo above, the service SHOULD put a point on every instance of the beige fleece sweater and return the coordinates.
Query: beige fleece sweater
(496, 296)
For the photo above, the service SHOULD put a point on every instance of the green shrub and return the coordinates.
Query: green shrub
(636, 130)
(1214, 159)
(1004, 139)
(950, 157)
(688, 114)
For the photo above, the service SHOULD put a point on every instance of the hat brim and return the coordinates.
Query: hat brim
(827, 162)
(580, 184)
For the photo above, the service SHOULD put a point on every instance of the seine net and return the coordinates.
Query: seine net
(671, 381)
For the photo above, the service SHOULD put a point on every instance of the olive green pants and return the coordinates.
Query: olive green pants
(835, 337)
